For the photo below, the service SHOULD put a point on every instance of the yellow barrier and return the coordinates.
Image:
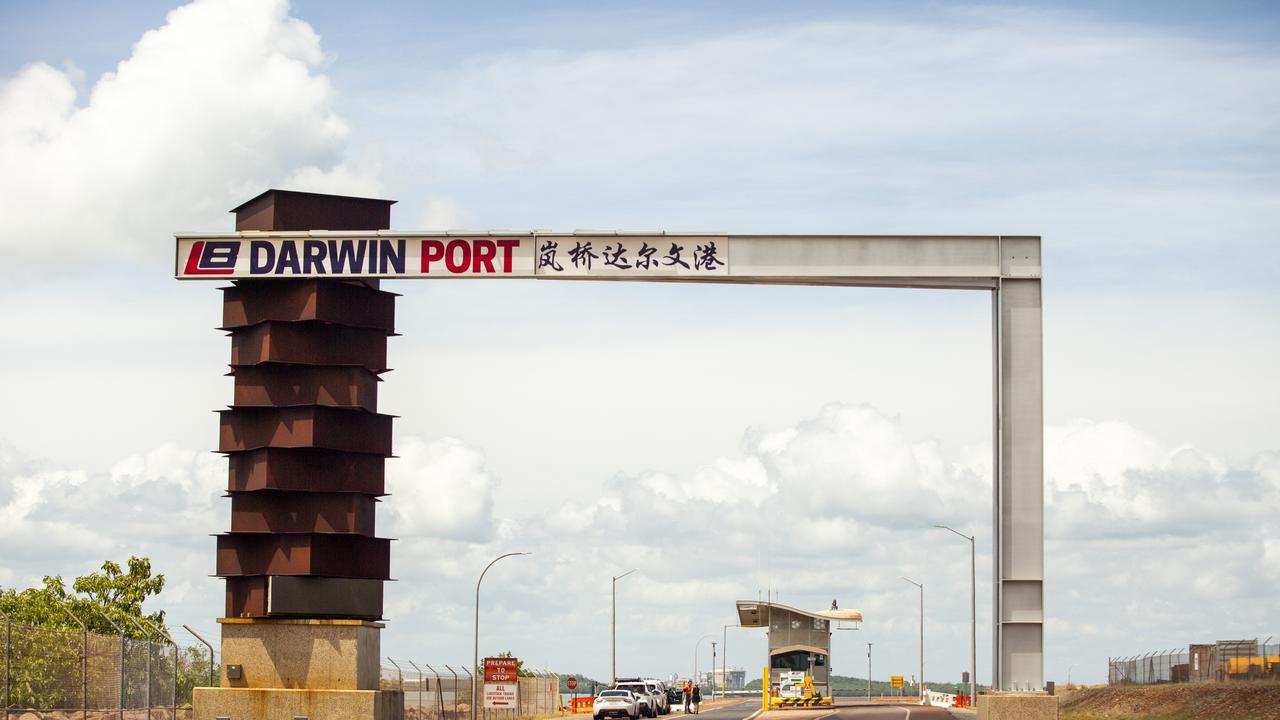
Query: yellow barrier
(813, 701)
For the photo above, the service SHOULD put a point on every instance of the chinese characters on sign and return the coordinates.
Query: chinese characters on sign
(634, 257)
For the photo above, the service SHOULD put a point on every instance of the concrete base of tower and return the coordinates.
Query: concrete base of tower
(290, 704)
(300, 654)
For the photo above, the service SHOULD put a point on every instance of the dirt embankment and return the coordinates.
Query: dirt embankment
(1201, 701)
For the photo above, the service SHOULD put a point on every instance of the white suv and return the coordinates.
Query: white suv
(664, 701)
(648, 704)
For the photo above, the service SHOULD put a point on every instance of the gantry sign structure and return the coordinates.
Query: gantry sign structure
(302, 255)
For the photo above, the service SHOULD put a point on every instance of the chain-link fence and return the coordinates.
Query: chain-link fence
(1222, 661)
(443, 692)
(57, 674)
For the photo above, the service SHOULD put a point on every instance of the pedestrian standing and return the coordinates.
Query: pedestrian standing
(688, 695)
(697, 698)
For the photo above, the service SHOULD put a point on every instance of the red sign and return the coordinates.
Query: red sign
(501, 670)
(572, 683)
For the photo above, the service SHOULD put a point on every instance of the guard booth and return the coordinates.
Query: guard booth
(799, 670)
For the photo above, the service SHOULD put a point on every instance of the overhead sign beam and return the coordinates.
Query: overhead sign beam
(1008, 266)
(960, 262)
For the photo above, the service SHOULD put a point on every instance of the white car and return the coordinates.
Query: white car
(616, 703)
(644, 696)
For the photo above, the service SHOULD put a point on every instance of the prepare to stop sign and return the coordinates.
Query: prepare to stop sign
(501, 682)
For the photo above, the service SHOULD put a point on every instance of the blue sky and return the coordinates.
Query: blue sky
(1140, 140)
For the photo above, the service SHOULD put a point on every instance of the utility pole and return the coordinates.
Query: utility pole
(868, 671)
(713, 669)
(613, 628)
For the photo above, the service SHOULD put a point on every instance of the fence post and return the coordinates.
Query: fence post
(146, 635)
(196, 635)
(173, 697)
(559, 705)
(439, 689)
(455, 688)
(122, 686)
(8, 650)
(421, 679)
(84, 663)
(399, 672)
(173, 691)
(473, 692)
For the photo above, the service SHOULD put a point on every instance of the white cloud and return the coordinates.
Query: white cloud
(854, 86)
(439, 489)
(837, 505)
(442, 213)
(1110, 480)
(223, 100)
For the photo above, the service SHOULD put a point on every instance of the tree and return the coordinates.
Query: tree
(120, 594)
(111, 591)
(47, 640)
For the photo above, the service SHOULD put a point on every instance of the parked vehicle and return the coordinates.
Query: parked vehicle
(648, 703)
(675, 696)
(661, 694)
(616, 703)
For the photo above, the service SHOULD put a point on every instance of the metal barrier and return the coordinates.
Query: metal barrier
(445, 695)
(54, 672)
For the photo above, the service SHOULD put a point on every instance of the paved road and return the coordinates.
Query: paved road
(891, 712)
(732, 711)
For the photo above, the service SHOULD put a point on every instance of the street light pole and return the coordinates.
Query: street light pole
(868, 671)
(724, 659)
(695, 656)
(921, 586)
(713, 669)
(613, 627)
(475, 647)
(973, 615)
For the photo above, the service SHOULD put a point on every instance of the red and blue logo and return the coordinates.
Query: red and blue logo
(212, 258)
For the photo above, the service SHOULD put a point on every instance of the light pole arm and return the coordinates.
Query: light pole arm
(966, 537)
(695, 655)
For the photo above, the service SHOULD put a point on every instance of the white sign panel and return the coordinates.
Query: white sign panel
(586, 256)
(791, 684)
(319, 255)
(501, 696)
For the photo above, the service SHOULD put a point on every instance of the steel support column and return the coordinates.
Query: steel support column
(1018, 487)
